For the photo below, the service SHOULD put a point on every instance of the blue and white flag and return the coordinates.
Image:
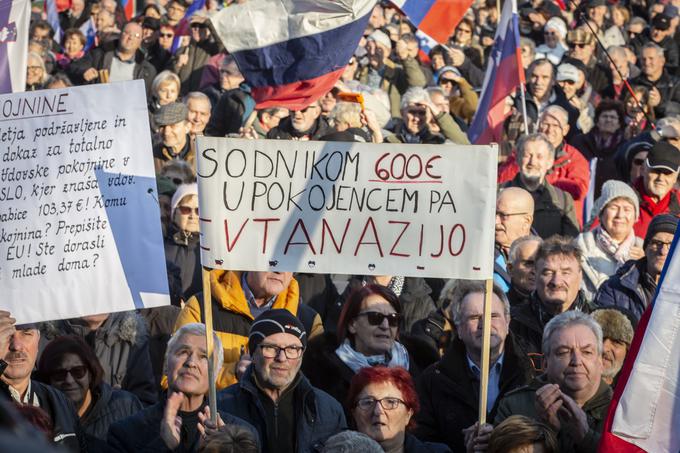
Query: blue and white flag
(14, 19)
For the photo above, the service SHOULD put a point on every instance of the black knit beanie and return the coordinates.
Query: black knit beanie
(663, 223)
(272, 322)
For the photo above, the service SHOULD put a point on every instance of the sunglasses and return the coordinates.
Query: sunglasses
(186, 210)
(375, 318)
(416, 112)
(77, 372)
(580, 46)
(449, 81)
(167, 35)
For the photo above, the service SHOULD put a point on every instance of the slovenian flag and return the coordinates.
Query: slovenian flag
(436, 18)
(644, 415)
(14, 20)
(504, 73)
(292, 52)
(129, 8)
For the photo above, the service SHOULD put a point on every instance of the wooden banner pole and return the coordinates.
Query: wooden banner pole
(486, 345)
(207, 312)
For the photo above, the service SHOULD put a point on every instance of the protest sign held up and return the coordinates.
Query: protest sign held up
(347, 208)
(78, 210)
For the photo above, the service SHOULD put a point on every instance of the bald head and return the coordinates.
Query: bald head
(514, 216)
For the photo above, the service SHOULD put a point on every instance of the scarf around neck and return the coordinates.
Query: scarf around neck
(397, 356)
(619, 251)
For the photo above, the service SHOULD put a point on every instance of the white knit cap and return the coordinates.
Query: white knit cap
(558, 25)
(182, 191)
(611, 190)
(381, 38)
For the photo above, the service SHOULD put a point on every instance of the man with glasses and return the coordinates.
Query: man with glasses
(274, 396)
(448, 389)
(127, 61)
(175, 12)
(302, 124)
(18, 354)
(634, 285)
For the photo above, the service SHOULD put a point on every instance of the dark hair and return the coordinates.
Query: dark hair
(607, 105)
(353, 305)
(517, 431)
(558, 245)
(75, 32)
(69, 344)
(397, 376)
(230, 439)
(439, 50)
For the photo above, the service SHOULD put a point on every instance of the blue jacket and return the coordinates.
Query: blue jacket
(624, 291)
(317, 414)
(500, 271)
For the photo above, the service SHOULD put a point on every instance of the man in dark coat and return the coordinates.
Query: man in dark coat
(664, 87)
(18, 354)
(156, 428)
(553, 208)
(290, 415)
(449, 389)
(304, 124)
(558, 282)
(633, 287)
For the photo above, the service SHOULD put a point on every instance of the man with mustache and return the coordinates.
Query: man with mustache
(617, 332)
(570, 396)
(274, 396)
(553, 208)
(448, 389)
(558, 283)
(18, 353)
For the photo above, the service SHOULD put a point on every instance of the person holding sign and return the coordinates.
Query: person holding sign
(448, 390)
(237, 299)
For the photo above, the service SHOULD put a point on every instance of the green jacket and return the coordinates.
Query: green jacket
(523, 402)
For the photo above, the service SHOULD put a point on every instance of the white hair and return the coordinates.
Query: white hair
(414, 95)
(196, 329)
(571, 318)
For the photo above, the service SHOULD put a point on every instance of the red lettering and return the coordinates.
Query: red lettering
(325, 227)
(381, 172)
(230, 245)
(430, 165)
(394, 246)
(375, 235)
(300, 224)
(266, 230)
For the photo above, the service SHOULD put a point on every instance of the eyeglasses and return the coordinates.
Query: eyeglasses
(34, 68)
(376, 318)
(658, 245)
(132, 35)
(416, 112)
(270, 351)
(507, 215)
(167, 35)
(77, 372)
(186, 210)
(389, 403)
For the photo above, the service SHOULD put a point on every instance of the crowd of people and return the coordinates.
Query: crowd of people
(586, 211)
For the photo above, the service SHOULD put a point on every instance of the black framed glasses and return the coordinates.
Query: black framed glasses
(375, 318)
(77, 372)
(389, 403)
(271, 351)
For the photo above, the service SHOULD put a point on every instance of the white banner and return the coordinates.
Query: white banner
(79, 218)
(349, 208)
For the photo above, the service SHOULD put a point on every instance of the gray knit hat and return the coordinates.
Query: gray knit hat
(615, 189)
(615, 325)
(351, 442)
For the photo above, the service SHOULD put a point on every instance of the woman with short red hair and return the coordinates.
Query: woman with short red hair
(383, 402)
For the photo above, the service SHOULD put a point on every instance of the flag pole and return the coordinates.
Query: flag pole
(486, 352)
(524, 106)
(210, 344)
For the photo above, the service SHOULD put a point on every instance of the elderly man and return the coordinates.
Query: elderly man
(290, 415)
(303, 124)
(617, 332)
(571, 396)
(634, 285)
(18, 354)
(127, 61)
(514, 216)
(237, 299)
(522, 268)
(198, 112)
(231, 99)
(553, 209)
(448, 389)
(174, 130)
(172, 424)
(664, 89)
(582, 48)
(656, 187)
(570, 170)
(558, 283)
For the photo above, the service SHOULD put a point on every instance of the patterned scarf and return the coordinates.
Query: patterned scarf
(397, 356)
(619, 252)
(396, 284)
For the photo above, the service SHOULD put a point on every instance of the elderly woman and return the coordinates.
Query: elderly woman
(367, 335)
(383, 404)
(613, 242)
(36, 74)
(182, 238)
(74, 61)
(554, 47)
(69, 365)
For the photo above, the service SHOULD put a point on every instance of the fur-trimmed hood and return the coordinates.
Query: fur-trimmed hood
(125, 326)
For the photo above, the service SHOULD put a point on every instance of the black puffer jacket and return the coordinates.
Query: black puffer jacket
(122, 346)
(109, 406)
(317, 415)
(67, 430)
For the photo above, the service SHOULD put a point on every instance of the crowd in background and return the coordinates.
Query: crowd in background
(586, 211)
